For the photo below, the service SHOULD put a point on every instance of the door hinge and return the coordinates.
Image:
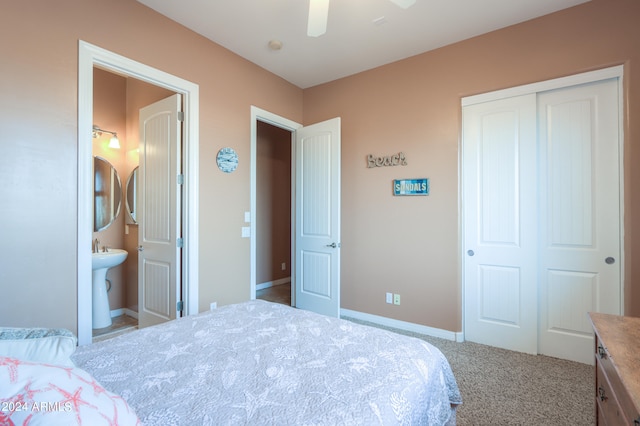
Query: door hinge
(179, 306)
(180, 115)
(180, 242)
(180, 179)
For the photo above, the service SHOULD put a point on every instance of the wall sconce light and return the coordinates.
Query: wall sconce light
(113, 142)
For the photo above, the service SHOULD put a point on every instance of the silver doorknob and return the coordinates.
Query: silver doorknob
(470, 252)
(332, 245)
(610, 260)
(140, 248)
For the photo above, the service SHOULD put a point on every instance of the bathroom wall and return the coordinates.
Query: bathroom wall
(109, 113)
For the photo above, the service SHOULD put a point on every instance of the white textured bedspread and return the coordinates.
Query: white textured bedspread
(264, 363)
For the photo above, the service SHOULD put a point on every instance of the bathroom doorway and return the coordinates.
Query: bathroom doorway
(116, 102)
(91, 57)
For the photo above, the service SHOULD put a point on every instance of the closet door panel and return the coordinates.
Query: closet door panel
(499, 150)
(580, 215)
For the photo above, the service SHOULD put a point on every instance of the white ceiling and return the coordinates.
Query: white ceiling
(353, 41)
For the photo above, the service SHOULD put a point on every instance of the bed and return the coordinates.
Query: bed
(259, 362)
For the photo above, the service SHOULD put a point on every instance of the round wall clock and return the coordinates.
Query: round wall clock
(227, 160)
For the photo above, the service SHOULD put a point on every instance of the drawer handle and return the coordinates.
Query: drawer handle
(602, 352)
(603, 397)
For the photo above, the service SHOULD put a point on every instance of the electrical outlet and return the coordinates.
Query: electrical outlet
(213, 305)
(396, 299)
(389, 298)
(284, 266)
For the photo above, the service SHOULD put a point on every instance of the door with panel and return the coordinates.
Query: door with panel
(317, 217)
(579, 223)
(159, 211)
(499, 151)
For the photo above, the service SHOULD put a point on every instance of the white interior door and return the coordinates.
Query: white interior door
(580, 215)
(499, 151)
(541, 208)
(317, 220)
(159, 211)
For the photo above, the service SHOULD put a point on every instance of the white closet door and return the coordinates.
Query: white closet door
(499, 178)
(541, 216)
(580, 217)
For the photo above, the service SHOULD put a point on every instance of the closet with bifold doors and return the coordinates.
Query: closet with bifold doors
(541, 213)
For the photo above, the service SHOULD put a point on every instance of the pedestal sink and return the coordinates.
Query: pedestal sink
(100, 264)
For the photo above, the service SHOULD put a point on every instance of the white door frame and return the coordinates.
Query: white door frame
(88, 57)
(258, 114)
(573, 80)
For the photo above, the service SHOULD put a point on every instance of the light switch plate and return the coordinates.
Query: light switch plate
(246, 232)
(247, 217)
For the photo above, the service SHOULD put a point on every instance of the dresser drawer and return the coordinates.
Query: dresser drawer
(608, 405)
(604, 360)
(624, 401)
(617, 352)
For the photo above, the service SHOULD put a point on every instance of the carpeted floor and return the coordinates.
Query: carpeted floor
(501, 387)
(277, 294)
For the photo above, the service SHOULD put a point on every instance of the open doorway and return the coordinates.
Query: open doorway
(117, 100)
(276, 135)
(90, 56)
(315, 211)
(273, 213)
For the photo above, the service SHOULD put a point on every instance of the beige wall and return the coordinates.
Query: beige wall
(404, 245)
(38, 168)
(273, 203)
(411, 245)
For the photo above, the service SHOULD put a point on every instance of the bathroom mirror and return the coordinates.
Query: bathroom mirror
(107, 194)
(130, 200)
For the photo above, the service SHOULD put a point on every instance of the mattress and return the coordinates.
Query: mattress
(264, 363)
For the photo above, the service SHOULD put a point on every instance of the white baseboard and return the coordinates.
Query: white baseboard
(124, 311)
(403, 325)
(268, 284)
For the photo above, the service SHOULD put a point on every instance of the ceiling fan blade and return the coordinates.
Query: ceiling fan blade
(405, 4)
(318, 15)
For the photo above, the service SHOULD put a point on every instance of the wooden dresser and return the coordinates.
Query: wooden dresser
(617, 352)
